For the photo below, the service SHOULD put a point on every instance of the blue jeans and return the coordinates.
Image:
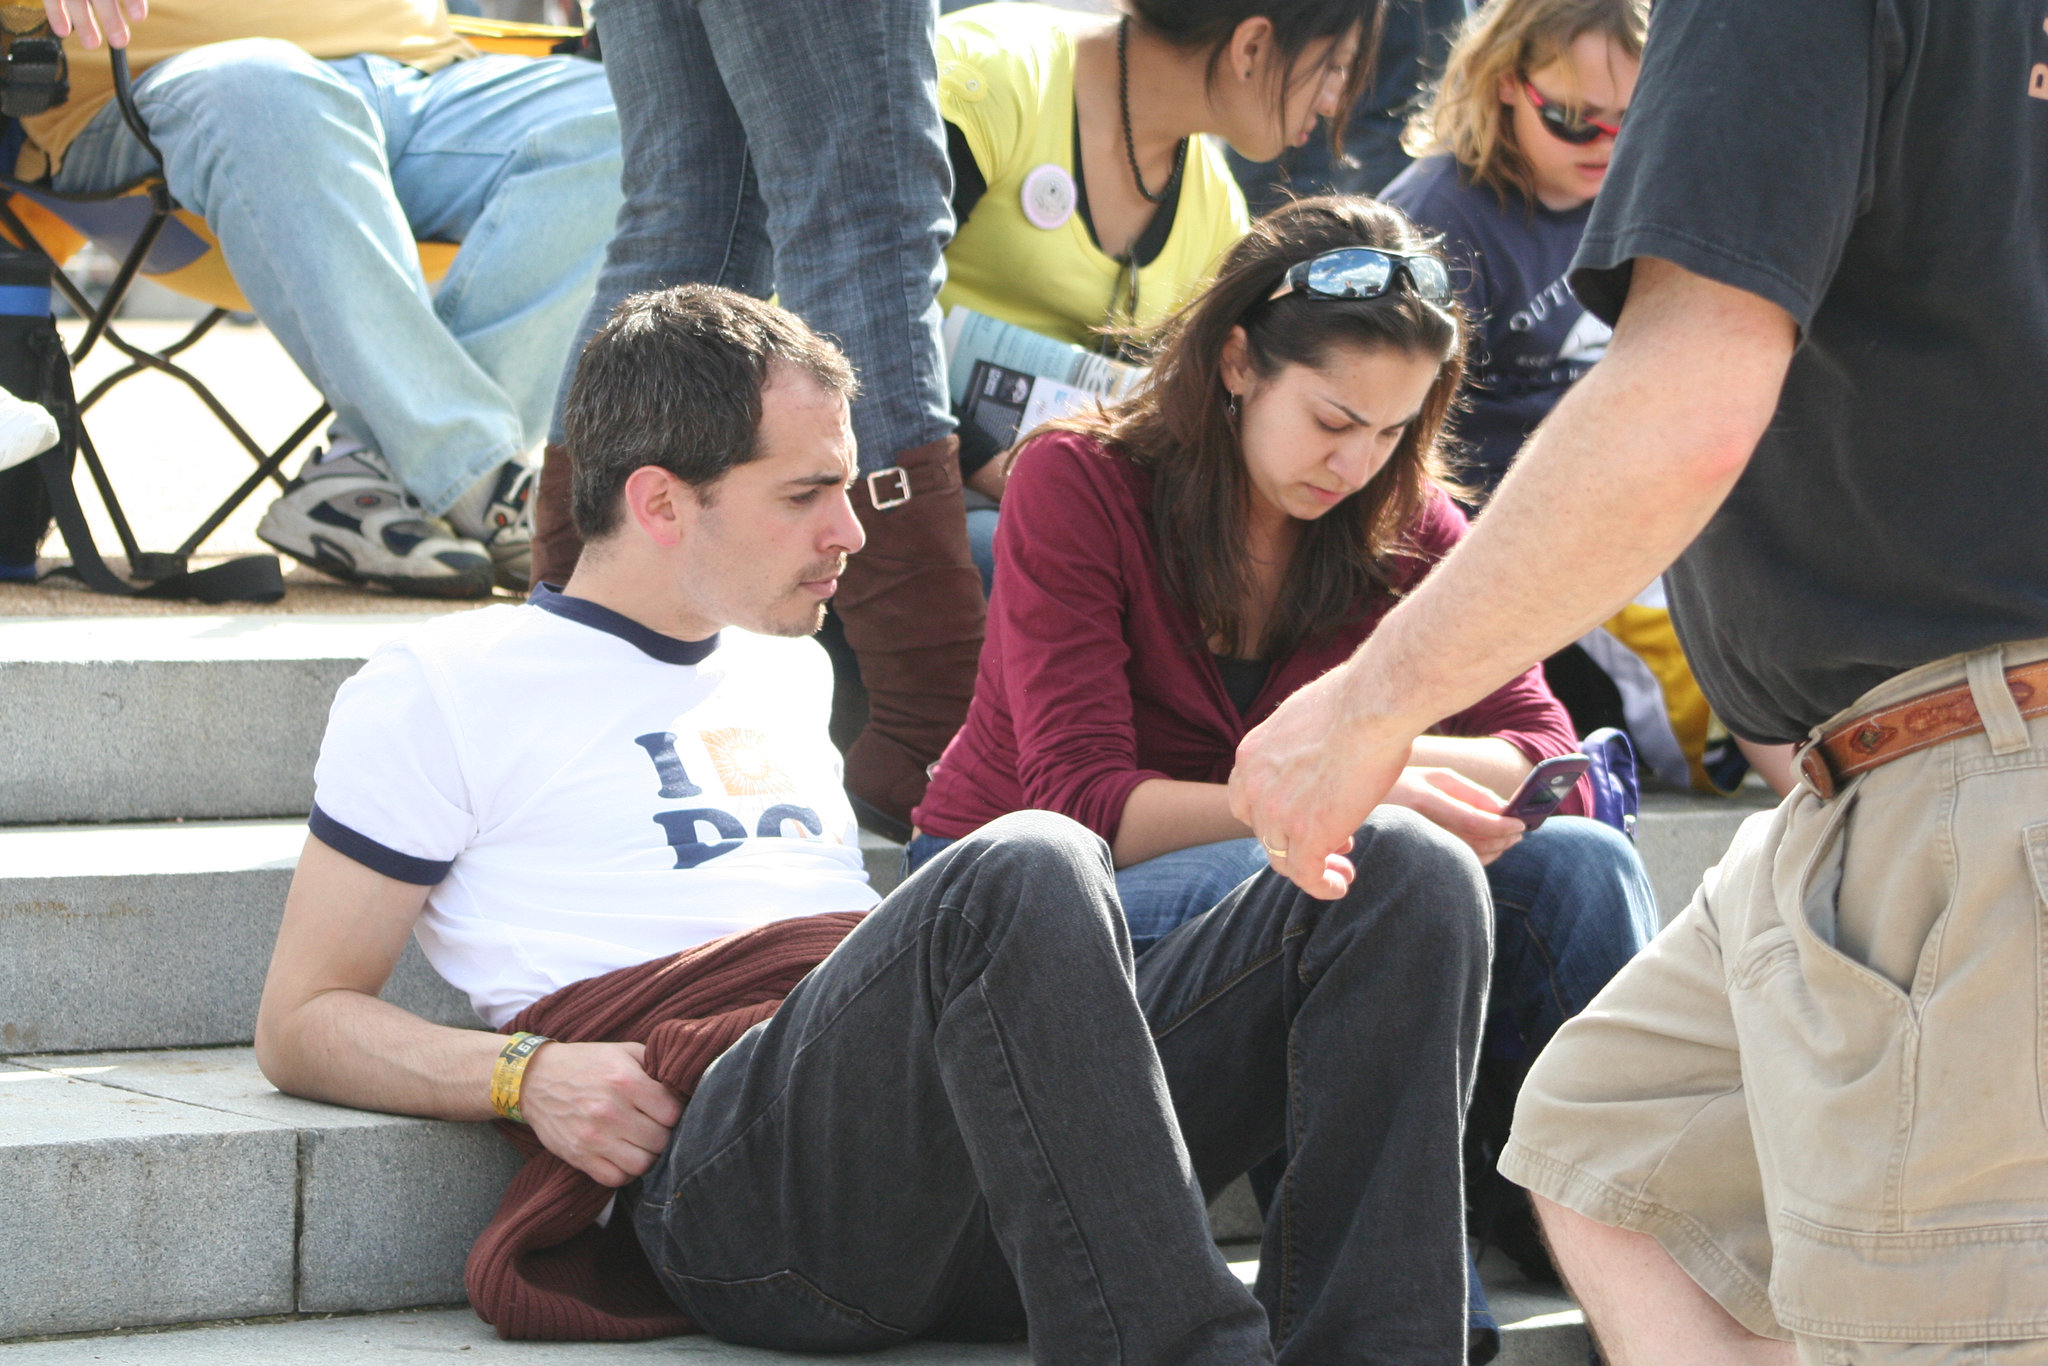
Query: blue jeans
(793, 147)
(981, 544)
(318, 177)
(980, 1115)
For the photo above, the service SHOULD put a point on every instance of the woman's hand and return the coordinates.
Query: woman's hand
(1459, 805)
(95, 19)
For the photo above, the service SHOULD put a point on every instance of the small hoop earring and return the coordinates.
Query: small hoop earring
(1230, 404)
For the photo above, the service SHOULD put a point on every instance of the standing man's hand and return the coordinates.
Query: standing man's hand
(1307, 777)
(594, 1106)
(95, 20)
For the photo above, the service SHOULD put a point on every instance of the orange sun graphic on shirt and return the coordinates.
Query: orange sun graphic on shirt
(746, 763)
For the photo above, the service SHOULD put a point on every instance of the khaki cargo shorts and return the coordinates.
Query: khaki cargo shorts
(1821, 1088)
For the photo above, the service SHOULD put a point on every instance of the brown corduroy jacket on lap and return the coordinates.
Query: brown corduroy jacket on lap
(542, 1268)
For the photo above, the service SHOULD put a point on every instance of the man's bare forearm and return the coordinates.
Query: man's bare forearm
(349, 1048)
(1611, 489)
(323, 1032)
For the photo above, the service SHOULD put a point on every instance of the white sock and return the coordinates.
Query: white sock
(466, 513)
(337, 449)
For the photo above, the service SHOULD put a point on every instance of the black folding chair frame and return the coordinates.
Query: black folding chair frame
(99, 326)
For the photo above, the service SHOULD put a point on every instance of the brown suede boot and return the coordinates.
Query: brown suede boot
(556, 546)
(913, 611)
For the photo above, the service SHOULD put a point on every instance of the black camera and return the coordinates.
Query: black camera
(32, 77)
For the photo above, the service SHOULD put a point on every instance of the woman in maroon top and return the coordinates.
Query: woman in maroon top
(1169, 570)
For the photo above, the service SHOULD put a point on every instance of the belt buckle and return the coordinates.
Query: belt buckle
(1819, 773)
(902, 496)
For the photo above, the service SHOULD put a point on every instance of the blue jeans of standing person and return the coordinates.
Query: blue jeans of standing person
(790, 147)
(979, 1116)
(318, 177)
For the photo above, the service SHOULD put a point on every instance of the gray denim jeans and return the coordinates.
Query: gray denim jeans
(791, 147)
(979, 1116)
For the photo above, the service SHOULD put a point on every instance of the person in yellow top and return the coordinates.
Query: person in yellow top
(1026, 249)
(1090, 205)
(319, 141)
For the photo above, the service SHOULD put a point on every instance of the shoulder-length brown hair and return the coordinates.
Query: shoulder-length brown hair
(1509, 39)
(1179, 427)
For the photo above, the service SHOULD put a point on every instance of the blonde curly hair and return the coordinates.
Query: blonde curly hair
(1464, 114)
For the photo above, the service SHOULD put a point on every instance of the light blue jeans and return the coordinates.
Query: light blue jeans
(793, 147)
(318, 177)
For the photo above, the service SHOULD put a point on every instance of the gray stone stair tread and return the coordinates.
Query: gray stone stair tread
(126, 1208)
(166, 847)
(182, 915)
(222, 1080)
(458, 1334)
(85, 640)
(156, 718)
(166, 1187)
(46, 1107)
(1682, 834)
(382, 1207)
(423, 1334)
(172, 923)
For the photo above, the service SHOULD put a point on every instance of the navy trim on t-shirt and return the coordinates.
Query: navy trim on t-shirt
(652, 643)
(378, 858)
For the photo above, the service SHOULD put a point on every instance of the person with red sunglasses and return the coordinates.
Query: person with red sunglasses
(1516, 138)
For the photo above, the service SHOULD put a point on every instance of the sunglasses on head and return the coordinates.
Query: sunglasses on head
(1366, 273)
(1566, 126)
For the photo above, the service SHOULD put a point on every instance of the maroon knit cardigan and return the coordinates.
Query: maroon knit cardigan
(542, 1268)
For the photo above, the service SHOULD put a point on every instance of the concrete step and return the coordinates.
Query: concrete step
(152, 936)
(1681, 835)
(161, 718)
(154, 1188)
(174, 923)
(219, 717)
(458, 1335)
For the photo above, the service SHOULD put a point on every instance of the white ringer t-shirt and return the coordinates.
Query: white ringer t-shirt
(585, 794)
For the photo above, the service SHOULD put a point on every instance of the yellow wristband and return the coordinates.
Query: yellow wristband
(509, 1074)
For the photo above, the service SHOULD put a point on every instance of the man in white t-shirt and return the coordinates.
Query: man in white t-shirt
(976, 1116)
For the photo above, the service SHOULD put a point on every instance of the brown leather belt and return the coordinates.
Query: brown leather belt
(1918, 723)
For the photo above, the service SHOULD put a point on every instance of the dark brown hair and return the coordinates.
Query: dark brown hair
(1178, 426)
(674, 379)
(1208, 25)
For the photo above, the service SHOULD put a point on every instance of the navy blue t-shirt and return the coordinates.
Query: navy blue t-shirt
(1508, 261)
(1895, 202)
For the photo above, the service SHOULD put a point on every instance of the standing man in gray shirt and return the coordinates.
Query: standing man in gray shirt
(1812, 1111)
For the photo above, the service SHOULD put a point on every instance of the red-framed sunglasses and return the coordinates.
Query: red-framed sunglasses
(1566, 126)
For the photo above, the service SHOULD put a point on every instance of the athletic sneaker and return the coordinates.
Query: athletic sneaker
(346, 515)
(498, 512)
